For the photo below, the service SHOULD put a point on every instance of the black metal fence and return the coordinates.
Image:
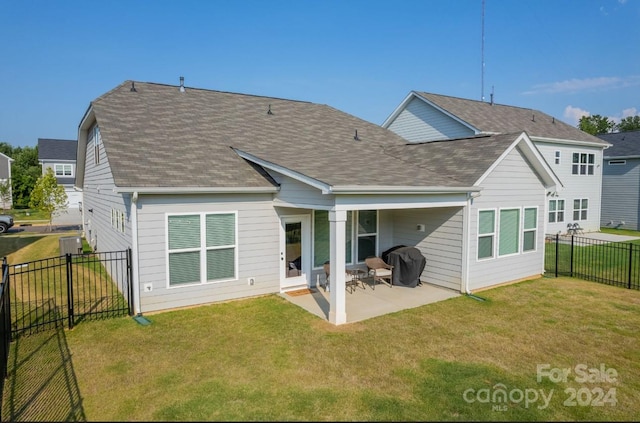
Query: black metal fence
(612, 263)
(5, 327)
(69, 289)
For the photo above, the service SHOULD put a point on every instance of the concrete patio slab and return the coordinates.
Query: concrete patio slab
(366, 302)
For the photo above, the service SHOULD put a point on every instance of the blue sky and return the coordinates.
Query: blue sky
(562, 57)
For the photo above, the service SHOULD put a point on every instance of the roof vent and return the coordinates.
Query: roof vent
(491, 99)
(133, 87)
(553, 119)
(182, 84)
(269, 112)
(533, 118)
(355, 137)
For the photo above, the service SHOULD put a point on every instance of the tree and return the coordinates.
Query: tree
(596, 124)
(25, 171)
(48, 196)
(5, 193)
(630, 123)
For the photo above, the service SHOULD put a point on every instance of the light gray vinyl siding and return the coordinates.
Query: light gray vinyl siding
(296, 192)
(257, 249)
(511, 184)
(4, 168)
(621, 195)
(421, 122)
(99, 197)
(574, 186)
(440, 243)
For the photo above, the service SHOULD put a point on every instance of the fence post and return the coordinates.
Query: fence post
(630, 265)
(571, 257)
(557, 252)
(69, 290)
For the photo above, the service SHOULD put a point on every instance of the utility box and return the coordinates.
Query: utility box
(70, 245)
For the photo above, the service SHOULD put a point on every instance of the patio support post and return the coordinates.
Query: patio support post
(337, 303)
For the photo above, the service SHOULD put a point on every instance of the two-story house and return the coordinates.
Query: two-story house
(621, 181)
(60, 155)
(5, 176)
(574, 155)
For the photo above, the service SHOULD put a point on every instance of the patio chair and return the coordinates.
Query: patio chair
(382, 271)
(577, 229)
(349, 279)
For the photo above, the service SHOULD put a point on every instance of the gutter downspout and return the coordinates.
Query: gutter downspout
(466, 242)
(134, 253)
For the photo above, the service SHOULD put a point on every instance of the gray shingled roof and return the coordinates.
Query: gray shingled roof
(466, 159)
(54, 149)
(624, 144)
(158, 136)
(498, 118)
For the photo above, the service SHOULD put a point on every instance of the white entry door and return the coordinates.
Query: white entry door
(295, 251)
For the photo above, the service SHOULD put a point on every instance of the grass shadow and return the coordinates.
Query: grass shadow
(11, 244)
(42, 384)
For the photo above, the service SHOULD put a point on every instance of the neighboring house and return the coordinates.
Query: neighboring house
(621, 181)
(573, 155)
(218, 194)
(5, 176)
(60, 155)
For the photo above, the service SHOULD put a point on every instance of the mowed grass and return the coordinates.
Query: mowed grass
(265, 359)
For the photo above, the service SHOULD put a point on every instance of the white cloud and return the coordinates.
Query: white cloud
(572, 114)
(586, 84)
(632, 111)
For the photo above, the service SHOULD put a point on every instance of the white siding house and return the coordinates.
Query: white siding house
(239, 195)
(5, 176)
(574, 156)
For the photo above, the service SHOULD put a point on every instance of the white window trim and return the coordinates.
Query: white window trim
(535, 230)
(494, 234)
(63, 165)
(587, 164)
(564, 211)
(519, 208)
(573, 210)
(202, 248)
(96, 145)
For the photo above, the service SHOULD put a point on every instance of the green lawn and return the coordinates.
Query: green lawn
(26, 215)
(264, 359)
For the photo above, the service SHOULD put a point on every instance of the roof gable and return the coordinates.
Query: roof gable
(492, 118)
(470, 160)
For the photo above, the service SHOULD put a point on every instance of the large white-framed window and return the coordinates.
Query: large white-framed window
(360, 239)
(486, 233)
(201, 248)
(508, 231)
(63, 169)
(96, 144)
(583, 163)
(529, 228)
(556, 211)
(580, 208)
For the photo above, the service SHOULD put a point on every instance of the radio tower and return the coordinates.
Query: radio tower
(482, 71)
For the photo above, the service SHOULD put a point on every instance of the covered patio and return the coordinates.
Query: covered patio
(364, 302)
